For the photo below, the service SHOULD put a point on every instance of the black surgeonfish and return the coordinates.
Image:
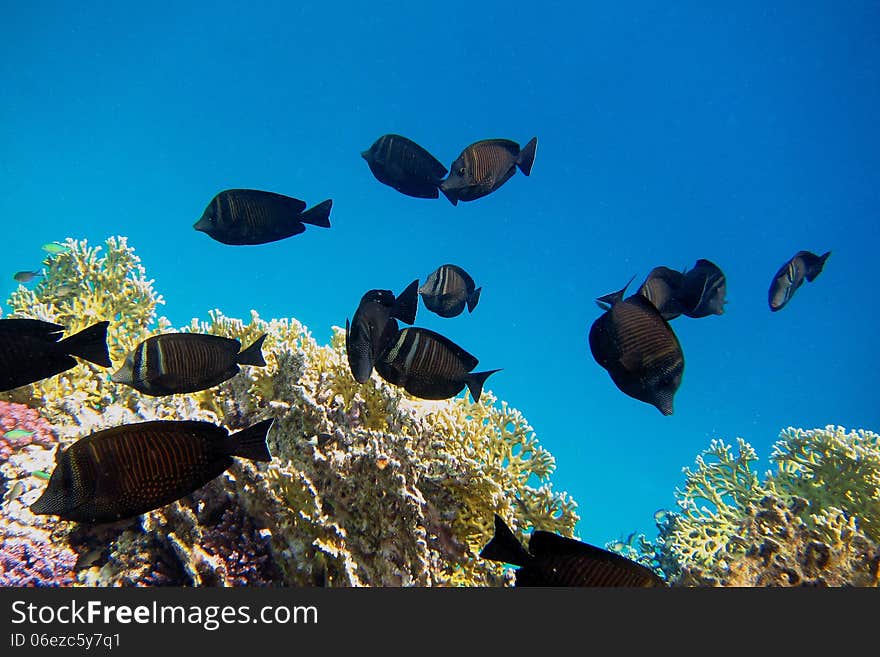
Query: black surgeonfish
(374, 327)
(448, 289)
(703, 290)
(124, 471)
(662, 288)
(803, 265)
(430, 366)
(404, 165)
(174, 363)
(484, 166)
(251, 216)
(554, 560)
(639, 349)
(31, 350)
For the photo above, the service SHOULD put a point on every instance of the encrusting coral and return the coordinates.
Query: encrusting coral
(812, 521)
(367, 486)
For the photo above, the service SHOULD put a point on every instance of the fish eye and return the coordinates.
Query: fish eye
(461, 171)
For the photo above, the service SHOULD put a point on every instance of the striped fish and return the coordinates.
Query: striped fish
(484, 166)
(554, 560)
(802, 265)
(661, 288)
(174, 363)
(32, 350)
(404, 165)
(430, 366)
(448, 289)
(128, 470)
(251, 216)
(637, 347)
(374, 327)
(703, 290)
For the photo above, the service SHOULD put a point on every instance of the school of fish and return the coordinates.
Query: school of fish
(128, 470)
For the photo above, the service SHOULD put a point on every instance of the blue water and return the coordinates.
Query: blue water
(667, 132)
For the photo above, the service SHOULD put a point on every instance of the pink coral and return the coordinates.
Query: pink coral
(20, 417)
(28, 561)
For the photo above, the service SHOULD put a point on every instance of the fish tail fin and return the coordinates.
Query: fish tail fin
(450, 195)
(253, 355)
(90, 344)
(473, 298)
(475, 381)
(505, 547)
(406, 303)
(250, 443)
(527, 156)
(318, 215)
(610, 299)
(816, 269)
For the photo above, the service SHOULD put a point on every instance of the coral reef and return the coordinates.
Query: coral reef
(20, 426)
(367, 487)
(812, 521)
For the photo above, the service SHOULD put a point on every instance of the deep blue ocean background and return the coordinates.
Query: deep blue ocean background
(667, 132)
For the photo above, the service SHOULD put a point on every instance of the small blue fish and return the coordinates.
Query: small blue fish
(26, 276)
(55, 248)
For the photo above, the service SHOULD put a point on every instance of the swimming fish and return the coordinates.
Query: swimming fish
(803, 265)
(31, 350)
(14, 492)
(662, 288)
(637, 347)
(128, 470)
(174, 363)
(404, 165)
(430, 366)
(374, 327)
(484, 166)
(448, 289)
(703, 290)
(55, 248)
(15, 434)
(554, 560)
(251, 216)
(26, 276)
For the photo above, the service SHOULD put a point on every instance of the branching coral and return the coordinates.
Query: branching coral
(368, 486)
(823, 499)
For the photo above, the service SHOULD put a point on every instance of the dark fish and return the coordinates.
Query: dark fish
(185, 362)
(31, 350)
(131, 469)
(662, 288)
(484, 166)
(448, 289)
(803, 265)
(430, 366)
(703, 290)
(554, 560)
(26, 276)
(251, 216)
(374, 327)
(404, 165)
(637, 347)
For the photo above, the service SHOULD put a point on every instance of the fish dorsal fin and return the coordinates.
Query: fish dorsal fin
(505, 547)
(606, 301)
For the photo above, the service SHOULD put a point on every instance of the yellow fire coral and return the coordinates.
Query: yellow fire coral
(827, 480)
(368, 486)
